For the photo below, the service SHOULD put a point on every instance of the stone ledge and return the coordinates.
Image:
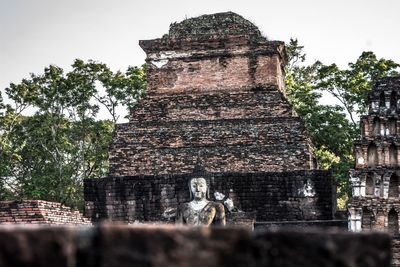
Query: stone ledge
(336, 224)
(145, 245)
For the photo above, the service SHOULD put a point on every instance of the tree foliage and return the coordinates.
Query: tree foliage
(351, 86)
(48, 154)
(333, 127)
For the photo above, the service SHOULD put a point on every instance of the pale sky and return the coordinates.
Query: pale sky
(36, 33)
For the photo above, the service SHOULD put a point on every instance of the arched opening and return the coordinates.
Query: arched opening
(376, 127)
(394, 186)
(314, 163)
(382, 100)
(393, 222)
(382, 188)
(392, 126)
(364, 129)
(393, 100)
(393, 155)
(366, 221)
(369, 186)
(360, 157)
(372, 155)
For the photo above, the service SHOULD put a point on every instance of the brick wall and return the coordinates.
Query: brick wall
(252, 104)
(374, 211)
(215, 99)
(120, 246)
(39, 212)
(223, 72)
(252, 145)
(212, 98)
(205, 61)
(274, 196)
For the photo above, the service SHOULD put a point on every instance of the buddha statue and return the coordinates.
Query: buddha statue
(200, 211)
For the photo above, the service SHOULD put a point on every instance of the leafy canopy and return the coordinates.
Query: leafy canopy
(48, 154)
(333, 127)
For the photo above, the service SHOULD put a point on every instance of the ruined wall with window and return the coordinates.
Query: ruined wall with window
(375, 179)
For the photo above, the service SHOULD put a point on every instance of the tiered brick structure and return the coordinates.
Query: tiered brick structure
(39, 212)
(216, 94)
(215, 99)
(375, 179)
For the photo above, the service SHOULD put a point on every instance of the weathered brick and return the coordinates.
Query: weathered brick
(156, 246)
(375, 179)
(39, 212)
(272, 196)
(215, 100)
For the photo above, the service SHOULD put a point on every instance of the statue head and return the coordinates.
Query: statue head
(198, 188)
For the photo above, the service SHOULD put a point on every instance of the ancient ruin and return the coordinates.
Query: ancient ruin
(39, 212)
(215, 108)
(375, 178)
(215, 142)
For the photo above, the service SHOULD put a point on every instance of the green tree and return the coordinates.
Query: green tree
(48, 154)
(351, 86)
(333, 128)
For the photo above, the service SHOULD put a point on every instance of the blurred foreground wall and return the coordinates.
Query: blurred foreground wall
(157, 245)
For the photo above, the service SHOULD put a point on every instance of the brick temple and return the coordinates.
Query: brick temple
(215, 107)
(375, 179)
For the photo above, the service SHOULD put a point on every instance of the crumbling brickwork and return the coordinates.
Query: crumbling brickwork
(212, 106)
(247, 145)
(39, 212)
(199, 55)
(215, 99)
(278, 196)
(375, 179)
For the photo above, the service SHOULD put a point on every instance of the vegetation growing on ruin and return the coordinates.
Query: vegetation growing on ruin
(219, 24)
(333, 126)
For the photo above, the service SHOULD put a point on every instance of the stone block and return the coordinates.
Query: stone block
(37, 247)
(163, 246)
